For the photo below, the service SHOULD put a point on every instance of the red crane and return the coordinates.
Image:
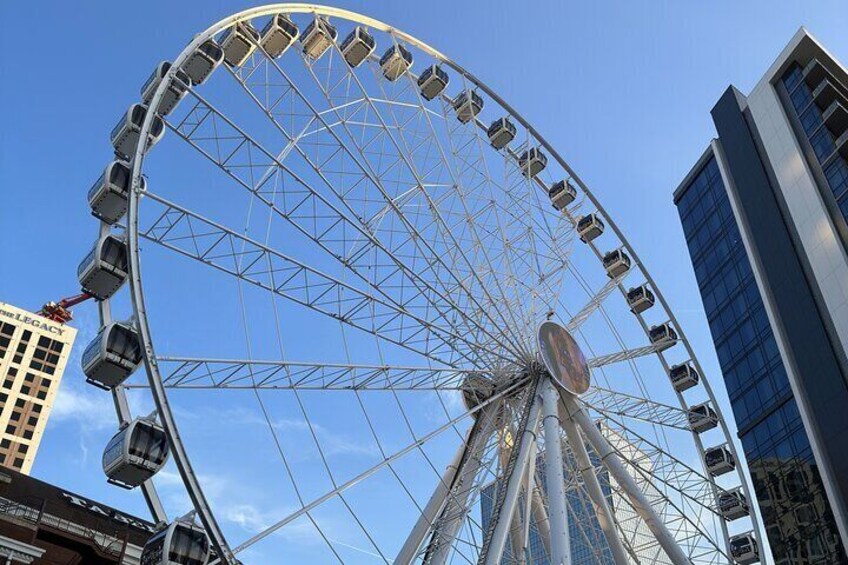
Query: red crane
(60, 311)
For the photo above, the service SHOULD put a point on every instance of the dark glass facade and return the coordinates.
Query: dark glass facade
(789, 490)
(588, 544)
(823, 138)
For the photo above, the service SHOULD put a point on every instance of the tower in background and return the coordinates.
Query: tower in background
(764, 212)
(34, 351)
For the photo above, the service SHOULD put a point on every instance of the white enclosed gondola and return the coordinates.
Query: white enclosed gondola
(357, 46)
(102, 272)
(238, 42)
(662, 336)
(683, 377)
(136, 453)
(205, 59)
(112, 355)
(317, 37)
(532, 162)
(501, 133)
(126, 133)
(719, 460)
(109, 195)
(179, 543)
(395, 62)
(278, 35)
(175, 92)
(744, 549)
(616, 263)
(702, 417)
(640, 298)
(467, 105)
(732, 504)
(432, 81)
(589, 227)
(562, 194)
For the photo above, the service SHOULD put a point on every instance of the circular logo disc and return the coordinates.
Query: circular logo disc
(563, 358)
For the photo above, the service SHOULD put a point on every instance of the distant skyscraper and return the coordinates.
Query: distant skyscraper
(764, 212)
(588, 541)
(588, 544)
(33, 355)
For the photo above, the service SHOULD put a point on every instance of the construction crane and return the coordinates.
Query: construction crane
(60, 311)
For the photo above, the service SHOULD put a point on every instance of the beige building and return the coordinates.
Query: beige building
(33, 353)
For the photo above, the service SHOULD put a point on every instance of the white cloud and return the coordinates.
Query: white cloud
(90, 408)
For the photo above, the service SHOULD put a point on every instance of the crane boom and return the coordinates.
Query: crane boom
(60, 311)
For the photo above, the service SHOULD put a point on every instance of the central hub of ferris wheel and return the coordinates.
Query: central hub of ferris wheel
(563, 358)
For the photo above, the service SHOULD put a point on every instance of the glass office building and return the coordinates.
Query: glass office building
(764, 214)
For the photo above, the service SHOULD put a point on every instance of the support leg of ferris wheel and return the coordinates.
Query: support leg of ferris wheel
(554, 475)
(455, 503)
(540, 513)
(464, 457)
(431, 512)
(616, 468)
(593, 487)
(492, 554)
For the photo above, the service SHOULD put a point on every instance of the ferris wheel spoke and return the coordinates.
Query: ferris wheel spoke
(193, 236)
(407, 174)
(468, 160)
(605, 401)
(627, 355)
(682, 496)
(473, 184)
(198, 373)
(243, 159)
(386, 461)
(651, 460)
(688, 532)
(594, 303)
(453, 222)
(357, 190)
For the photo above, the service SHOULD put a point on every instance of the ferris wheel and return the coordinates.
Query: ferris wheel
(347, 232)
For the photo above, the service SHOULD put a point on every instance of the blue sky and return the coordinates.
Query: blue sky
(622, 89)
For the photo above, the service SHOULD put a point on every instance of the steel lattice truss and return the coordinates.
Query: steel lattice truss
(350, 203)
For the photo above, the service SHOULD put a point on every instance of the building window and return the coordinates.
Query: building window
(36, 408)
(10, 429)
(33, 420)
(41, 395)
(27, 434)
(8, 383)
(25, 389)
(5, 443)
(19, 462)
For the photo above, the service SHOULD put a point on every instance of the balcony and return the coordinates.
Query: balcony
(813, 73)
(824, 94)
(836, 118)
(842, 145)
